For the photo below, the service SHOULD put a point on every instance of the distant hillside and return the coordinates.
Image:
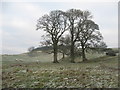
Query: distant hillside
(45, 48)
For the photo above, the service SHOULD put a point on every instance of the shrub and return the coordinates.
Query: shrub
(110, 53)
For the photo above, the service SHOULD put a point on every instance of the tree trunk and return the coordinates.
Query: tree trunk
(63, 55)
(55, 53)
(72, 52)
(83, 54)
(72, 42)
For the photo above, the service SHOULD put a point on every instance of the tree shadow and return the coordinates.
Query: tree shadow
(99, 59)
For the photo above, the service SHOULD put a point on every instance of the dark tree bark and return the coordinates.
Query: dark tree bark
(72, 42)
(63, 55)
(83, 54)
(55, 53)
(72, 52)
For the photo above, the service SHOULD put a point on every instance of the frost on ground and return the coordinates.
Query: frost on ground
(92, 74)
(87, 77)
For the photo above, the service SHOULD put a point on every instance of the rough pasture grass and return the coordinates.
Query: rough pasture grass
(98, 72)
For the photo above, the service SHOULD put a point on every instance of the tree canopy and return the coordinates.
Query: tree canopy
(82, 30)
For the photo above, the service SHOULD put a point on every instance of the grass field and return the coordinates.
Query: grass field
(22, 71)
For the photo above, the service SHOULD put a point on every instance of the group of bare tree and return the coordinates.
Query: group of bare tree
(82, 30)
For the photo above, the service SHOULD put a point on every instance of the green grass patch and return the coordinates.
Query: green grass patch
(26, 72)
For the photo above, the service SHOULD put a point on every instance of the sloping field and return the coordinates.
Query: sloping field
(22, 71)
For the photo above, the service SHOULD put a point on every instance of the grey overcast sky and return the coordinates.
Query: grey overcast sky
(18, 28)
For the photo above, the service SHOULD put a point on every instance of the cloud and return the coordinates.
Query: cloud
(19, 22)
(19, 31)
(31, 10)
(110, 37)
(61, 1)
(13, 50)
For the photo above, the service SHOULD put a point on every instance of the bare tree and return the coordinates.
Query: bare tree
(31, 51)
(74, 18)
(46, 41)
(89, 36)
(64, 46)
(81, 28)
(30, 48)
(55, 25)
